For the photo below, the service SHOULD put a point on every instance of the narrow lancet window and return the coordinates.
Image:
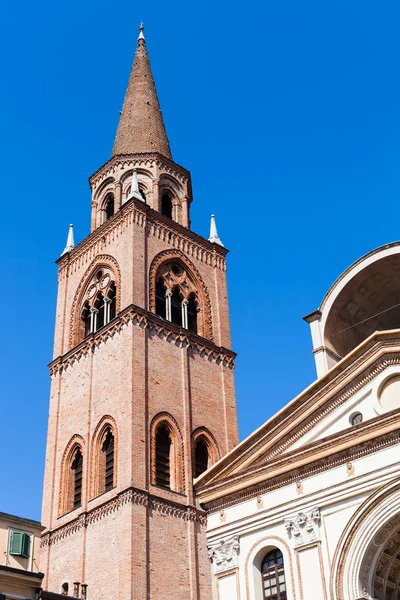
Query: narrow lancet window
(108, 449)
(163, 449)
(77, 466)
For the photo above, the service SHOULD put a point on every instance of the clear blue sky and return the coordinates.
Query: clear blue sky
(288, 116)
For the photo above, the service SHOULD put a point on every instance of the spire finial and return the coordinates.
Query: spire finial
(141, 34)
(213, 232)
(70, 240)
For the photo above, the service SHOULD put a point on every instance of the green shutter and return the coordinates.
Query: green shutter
(19, 544)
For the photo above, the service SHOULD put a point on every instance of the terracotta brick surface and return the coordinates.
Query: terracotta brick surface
(136, 541)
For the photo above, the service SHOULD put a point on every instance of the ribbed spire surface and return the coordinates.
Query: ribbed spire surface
(141, 126)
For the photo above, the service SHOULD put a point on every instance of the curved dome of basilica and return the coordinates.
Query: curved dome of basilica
(364, 299)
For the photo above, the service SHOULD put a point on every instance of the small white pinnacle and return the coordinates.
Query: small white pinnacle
(135, 193)
(141, 35)
(70, 240)
(214, 233)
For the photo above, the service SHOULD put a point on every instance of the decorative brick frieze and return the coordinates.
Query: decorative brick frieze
(139, 213)
(129, 496)
(156, 326)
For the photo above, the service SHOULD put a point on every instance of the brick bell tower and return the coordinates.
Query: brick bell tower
(142, 388)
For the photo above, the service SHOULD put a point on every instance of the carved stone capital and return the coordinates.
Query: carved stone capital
(224, 554)
(303, 528)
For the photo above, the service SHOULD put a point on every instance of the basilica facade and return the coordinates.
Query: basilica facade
(308, 506)
(147, 492)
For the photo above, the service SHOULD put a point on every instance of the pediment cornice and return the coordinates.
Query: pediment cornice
(331, 452)
(302, 414)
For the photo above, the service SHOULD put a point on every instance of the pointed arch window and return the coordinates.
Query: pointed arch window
(76, 479)
(109, 206)
(177, 297)
(273, 576)
(201, 458)
(99, 304)
(163, 462)
(166, 206)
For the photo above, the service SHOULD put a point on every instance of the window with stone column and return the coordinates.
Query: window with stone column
(177, 298)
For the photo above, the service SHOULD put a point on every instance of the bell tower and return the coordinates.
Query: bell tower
(142, 389)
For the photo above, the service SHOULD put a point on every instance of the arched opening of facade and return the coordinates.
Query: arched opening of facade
(96, 305)
(71, 478)
(177, 295)
(204, 450)
(366, 563)
(109, 206)
(166, 205)
(166, 454)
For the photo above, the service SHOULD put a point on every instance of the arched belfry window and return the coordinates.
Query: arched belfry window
(192, 313)
(176, 307)
(273, 576)
(201, 458)
(99, 303)
(161, 299)
(109, 206)
(177, 296)
(166, 206)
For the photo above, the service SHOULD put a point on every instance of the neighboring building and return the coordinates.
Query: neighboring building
(20, 546)
(142, 391)
(308, 506)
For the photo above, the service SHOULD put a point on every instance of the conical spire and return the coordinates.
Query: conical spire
(214, 233)
(141, 126)
(70, 240)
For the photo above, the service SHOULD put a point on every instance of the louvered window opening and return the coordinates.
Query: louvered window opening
(108, 449)
(163, 447)
(273, 576)
(200, 458)
(77, 474)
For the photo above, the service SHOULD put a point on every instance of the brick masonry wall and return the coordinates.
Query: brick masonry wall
(133, 550)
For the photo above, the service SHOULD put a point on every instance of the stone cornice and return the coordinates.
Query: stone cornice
(154, 324)
(135, 211)
(333, 451)
(380, 350)
(129, 160)
(129, 496)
